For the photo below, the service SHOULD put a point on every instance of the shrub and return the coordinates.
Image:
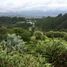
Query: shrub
(3, 33)
(52, 52)
(4, 62)
(65, 37)
(56, 34)
(25, 34)
(61, 60)
(13, 42)
(48, 65)
(39, 35)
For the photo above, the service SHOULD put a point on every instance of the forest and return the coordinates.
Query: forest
(33, 42)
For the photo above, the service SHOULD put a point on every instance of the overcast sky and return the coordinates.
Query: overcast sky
(24, 5)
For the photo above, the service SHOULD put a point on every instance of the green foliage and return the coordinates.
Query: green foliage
(21, 47)
(48, 65)
(56, 34)
(13, 43)
(52, 23)
(53, 50)
(10, 20)
(38, 35)
(15, 52)
(3, 33)
(65, 37)
(61, 60)
(25, 34)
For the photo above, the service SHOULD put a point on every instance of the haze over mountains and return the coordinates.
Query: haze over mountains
(33, 13)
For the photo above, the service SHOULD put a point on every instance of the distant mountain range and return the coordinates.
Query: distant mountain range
(33, 13)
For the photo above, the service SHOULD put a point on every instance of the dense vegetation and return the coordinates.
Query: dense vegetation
(53, 23)
(40, 42)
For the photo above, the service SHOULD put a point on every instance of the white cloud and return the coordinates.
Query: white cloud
(19, 5)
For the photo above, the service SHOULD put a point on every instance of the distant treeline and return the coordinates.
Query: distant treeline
(53, 23)
(44, 24)
(10, 20)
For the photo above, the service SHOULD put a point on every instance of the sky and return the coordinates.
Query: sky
(32, 7)
(7, 6)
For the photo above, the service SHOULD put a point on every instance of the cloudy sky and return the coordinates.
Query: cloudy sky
(24, 5)
(32, 7)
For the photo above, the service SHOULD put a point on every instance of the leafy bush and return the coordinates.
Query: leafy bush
(3, 33)
(13, 42)
(56, 34)
(61, 60)
(65, 37)
(38, 35)
(15, 59)
(40, 51)
(53, 50)
(48, 65)
(25, 34)
(4, 62)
